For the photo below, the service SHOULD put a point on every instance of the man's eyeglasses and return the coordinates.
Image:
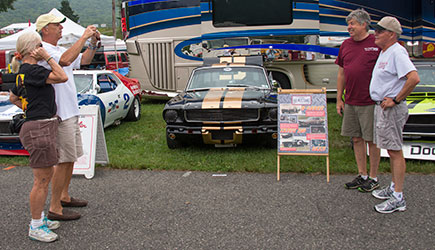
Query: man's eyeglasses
(380, 31)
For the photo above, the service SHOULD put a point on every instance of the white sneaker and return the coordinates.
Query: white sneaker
(391, 205)
(42, 233)
(51, 224)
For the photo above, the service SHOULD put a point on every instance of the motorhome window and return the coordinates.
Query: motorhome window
(219, 43)
(234, 13)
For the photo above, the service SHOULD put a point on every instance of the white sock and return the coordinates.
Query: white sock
(398, 195)
(375, 179)
(364, 177)
(36, 223)
(392, 186)
(42, 214)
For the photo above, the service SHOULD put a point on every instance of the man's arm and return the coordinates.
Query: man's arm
(412, 79)
(340, 89)
(72, 53)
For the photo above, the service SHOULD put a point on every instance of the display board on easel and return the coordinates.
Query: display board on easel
(302, 124)
(94, 142)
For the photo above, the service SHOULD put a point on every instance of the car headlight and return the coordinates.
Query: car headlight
(273, 114)
(170, 116)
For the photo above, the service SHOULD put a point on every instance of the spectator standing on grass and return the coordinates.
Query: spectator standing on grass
(394, 78)
(356, 59)
(34, 94)
(69, 140)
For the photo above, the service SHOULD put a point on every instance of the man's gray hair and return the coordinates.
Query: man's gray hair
(361, 16)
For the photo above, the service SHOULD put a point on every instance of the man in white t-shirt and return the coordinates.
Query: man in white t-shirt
(70, 149)
(394, 78)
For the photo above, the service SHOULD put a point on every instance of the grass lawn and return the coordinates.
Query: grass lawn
(142, 145)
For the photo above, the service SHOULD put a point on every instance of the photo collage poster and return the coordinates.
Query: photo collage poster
(302, 123)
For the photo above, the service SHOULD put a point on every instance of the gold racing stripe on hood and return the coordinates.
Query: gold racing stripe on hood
(212, 99)
(233, 98)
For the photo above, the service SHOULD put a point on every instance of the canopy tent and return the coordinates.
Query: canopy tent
(15, 26)
(70, 34)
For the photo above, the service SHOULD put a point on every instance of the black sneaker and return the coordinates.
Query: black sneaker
(369, 186)
(356, 183)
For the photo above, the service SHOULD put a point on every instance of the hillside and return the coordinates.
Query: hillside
(89, 11)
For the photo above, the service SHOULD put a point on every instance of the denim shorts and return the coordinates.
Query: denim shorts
(389, 124)
(39, 138)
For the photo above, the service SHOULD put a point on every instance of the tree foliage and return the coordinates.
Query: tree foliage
(90, 11)
(67, 11)
(6, 4)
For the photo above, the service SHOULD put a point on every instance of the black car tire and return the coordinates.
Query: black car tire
(173, 143)
(270, 142)
(134, 112)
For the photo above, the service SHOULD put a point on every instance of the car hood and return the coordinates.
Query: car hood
(216, 98)
(421, 102)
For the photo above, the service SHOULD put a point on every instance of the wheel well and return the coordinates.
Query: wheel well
(282, 79)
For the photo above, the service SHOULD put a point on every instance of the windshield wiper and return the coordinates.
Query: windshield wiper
(244, 85)
(238, 85)
(200, 89)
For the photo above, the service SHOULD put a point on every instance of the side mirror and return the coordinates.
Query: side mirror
(97, 88)
(275, 85)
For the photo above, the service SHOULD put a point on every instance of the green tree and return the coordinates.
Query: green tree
(6, 4)
(67, 11)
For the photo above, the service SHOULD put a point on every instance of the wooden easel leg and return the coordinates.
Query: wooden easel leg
(277, 169)
(327, 168)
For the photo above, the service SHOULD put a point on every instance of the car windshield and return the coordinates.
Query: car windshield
(83, 83)
(427, 79)
(228, 77)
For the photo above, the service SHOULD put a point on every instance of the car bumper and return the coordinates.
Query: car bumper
(11, 145)
(220, 135)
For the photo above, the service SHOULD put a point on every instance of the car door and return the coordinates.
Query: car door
(110, 97)
(116, 97)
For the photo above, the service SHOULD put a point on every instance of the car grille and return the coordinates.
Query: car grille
(4, 127)
(421, 124)
(222, 115)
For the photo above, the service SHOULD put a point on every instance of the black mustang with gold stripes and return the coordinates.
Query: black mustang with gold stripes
(223, 104)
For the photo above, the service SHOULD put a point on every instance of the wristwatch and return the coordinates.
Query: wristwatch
(395, 101)
(92, 47)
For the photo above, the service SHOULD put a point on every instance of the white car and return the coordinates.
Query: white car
(117, 96)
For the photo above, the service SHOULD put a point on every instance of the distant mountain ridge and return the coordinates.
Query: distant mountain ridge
(89, 11)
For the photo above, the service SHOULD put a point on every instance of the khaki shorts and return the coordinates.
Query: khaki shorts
(39, 139)
(69, 140)
(389, 124)
(358, 121)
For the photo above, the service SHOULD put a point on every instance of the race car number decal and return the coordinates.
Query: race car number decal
(127, 99)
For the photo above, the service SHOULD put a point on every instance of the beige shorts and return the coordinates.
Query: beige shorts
(358, 121)
(69, 140)
(389, 124)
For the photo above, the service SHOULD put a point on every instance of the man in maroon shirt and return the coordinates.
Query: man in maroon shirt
(356, 60)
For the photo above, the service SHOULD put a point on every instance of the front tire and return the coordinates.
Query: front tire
(173, 143)
(134, 111)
